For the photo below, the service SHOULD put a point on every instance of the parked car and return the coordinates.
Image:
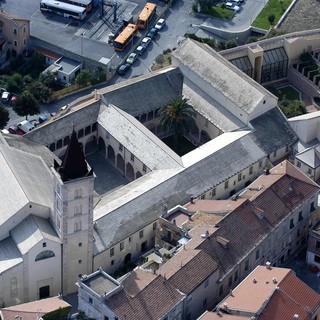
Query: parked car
(25, 126)
(15, 130)
(232, 6)
(5, 131)
(35, 122)
(124, 68)
(140, 50)
(12, 100)
(132, 58)
(6, 96)
(236, 2)
(42, 118)
(152, 33)
(145, 41)
(159, 25)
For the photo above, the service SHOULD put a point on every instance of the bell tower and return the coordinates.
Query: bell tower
(72, 217)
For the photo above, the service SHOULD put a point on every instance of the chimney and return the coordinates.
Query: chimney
(192, 200)
(268, 265)
(274, 280)
(266, 171)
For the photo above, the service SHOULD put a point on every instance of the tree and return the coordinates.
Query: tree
(4, 116)
(26, 104)
(271, 18)
(178, 116)
(292, 108)
(48, 79)
(40, 92)
(84, 77)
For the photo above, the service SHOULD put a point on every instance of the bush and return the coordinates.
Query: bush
(271, 18)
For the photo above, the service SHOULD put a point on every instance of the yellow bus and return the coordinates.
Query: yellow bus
(125, 37)
(146, 15)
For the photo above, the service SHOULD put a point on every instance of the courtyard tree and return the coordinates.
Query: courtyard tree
(26, 104)
(4, 116)
(271, 18)
(178, 117)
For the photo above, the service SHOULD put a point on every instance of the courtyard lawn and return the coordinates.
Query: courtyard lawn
(221, 13)
(277, 7)
(289, 93)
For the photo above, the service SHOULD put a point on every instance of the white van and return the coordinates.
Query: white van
(25, 126)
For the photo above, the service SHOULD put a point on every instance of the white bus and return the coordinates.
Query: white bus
(65, 9)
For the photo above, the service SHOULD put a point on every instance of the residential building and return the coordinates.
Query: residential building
(15, 35)
(313, 250)
(140, 295)
(268, 293)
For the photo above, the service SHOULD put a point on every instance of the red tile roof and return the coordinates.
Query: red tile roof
(257, 216)
(32, 310)
(152, 302)
(292, 297)
(194, 265)
(221, 316)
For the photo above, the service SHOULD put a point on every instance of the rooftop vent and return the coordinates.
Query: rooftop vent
(225, 306)
(274, 280)
(266, 281)
(192, 199)
(296, 317)
(268, 265)
(258, 212)
(205, 235)
(254, 280)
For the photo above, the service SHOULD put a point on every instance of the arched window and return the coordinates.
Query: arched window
(44, 255)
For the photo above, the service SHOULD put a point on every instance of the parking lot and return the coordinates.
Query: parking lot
(88, 38)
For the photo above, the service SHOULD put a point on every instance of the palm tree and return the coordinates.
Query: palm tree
(178, 117)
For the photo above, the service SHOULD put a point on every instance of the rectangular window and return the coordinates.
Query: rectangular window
(44, 245)
(236, 276)
(129, 239)
(132, 157)
(298, 164)
(309, 171)
(24, 29)
(111, 252)
(230, 281)
(213, 191)
(80, 244)
(251, 170)
(141, 234)
(121, 246)
(246, 266)
(15, 31)
(291, 224)
(312, 208)
(154, 226)
(226, 185)
(90, 300)
(112, 262)
(204, 303)
(316, 259)
(239, 177)
(120, 147)
(300, 216)
(202, 196)
(24, 41)
(144, 168)
(257, 254)
(79, 261)
(15, 43)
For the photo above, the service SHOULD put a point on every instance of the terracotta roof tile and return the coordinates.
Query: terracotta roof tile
(153, 302)
(292, 297)
(194, 265)
(220, 316)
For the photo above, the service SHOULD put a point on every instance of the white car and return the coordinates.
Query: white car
(159, 25)
(231, 6)
(145, 41)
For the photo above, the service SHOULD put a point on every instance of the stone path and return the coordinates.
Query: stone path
(303, 16)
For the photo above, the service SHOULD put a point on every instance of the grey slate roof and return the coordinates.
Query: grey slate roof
(20, 143)
(117, 219)
(138, 139)
(310, 157)
(221, 74)
(32, 230)
(24, 178)
(272, 131)
(9, 255)
(148, 92)
(211, 109)
(61, 127)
